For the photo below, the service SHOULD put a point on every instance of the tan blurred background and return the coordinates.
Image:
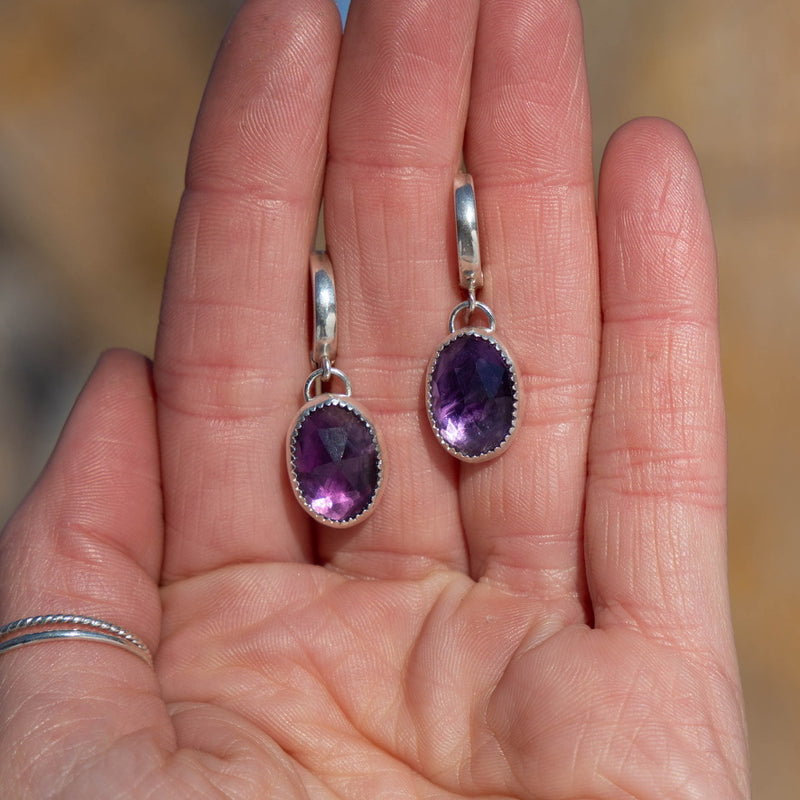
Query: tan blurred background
(97, 100)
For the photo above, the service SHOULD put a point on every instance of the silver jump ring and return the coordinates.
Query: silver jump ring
(472, 302)
(470, 306)
(49, 627)
(327, 369)
(319, 375)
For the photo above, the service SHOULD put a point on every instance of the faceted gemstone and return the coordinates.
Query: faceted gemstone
(335, 461)
(472, 395)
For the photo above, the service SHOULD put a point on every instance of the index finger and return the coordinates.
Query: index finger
(232, 350)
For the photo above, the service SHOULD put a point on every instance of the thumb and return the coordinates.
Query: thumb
(87, 541)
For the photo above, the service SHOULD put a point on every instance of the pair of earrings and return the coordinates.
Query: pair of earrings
(472, 393)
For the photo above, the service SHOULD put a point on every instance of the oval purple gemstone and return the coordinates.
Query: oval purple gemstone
(335, 461)
(472, 395)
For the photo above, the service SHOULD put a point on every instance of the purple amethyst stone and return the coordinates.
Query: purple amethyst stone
(335, 461)
(472, 395)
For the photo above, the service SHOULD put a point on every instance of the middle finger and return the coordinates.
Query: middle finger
(396, 129)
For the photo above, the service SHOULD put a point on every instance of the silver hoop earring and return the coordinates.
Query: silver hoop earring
(333, 451)
(472, 391)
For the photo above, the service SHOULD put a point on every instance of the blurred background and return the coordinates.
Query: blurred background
(97, 102)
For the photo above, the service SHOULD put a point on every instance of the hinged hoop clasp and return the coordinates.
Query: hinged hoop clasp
(470, 275)
(323, 310)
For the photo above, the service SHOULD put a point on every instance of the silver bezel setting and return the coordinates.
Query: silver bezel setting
(507, 360)
(305, 411)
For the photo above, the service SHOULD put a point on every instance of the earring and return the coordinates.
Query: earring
(472, 392)
(332, 449)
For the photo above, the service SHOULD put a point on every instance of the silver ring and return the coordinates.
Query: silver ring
(319, 375)
(470, 306)
(50, 627)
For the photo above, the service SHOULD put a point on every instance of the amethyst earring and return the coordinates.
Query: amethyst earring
(472, 392)
(333, 451)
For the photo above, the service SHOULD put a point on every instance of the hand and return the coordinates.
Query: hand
(552, 624)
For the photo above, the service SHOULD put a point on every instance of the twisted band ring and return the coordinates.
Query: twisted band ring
(50, 627)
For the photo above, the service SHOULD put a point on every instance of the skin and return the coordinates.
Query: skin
(552, 624)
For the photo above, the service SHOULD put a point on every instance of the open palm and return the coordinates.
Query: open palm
(550, 624)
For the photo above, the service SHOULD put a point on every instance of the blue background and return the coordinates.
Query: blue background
(343, 6)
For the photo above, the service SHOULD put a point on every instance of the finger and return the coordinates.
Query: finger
(528, 146)
(86, 541)
(655, 518)
(396, 130)
(232, 352)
